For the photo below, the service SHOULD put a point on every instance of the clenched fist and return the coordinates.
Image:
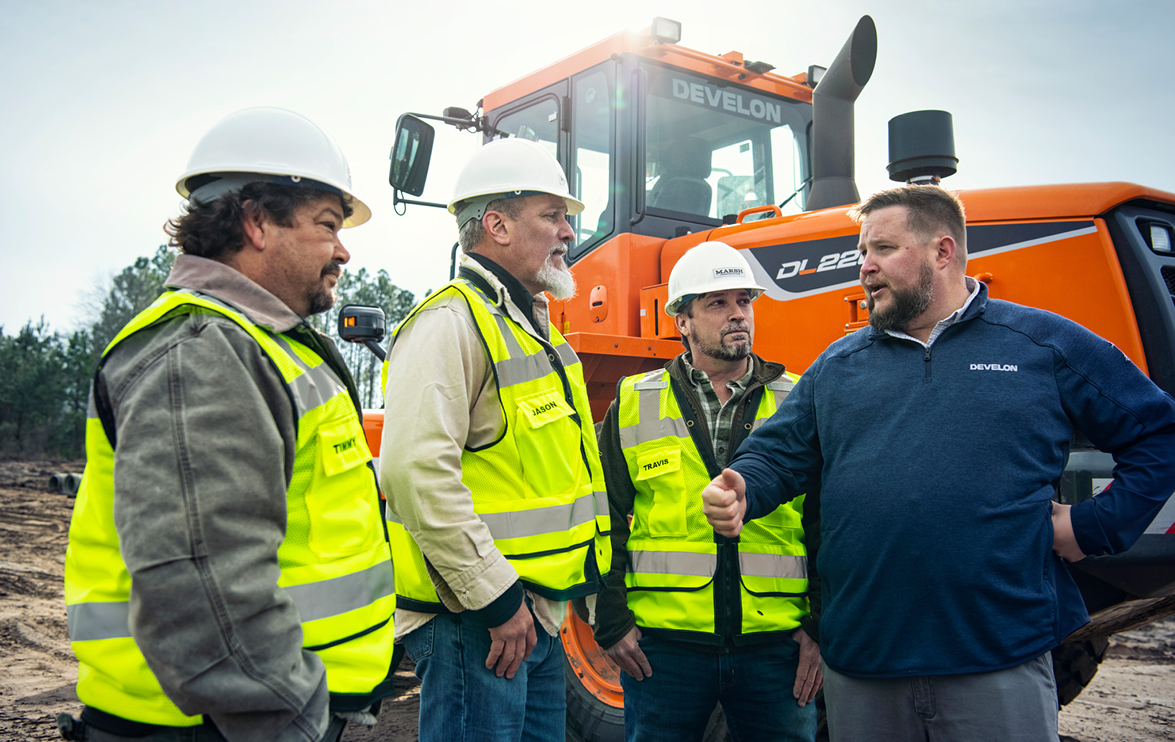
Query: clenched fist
(724, 502)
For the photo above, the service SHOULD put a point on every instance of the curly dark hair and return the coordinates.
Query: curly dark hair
(213, 229)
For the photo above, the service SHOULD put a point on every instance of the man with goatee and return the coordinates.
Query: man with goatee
(692, 618)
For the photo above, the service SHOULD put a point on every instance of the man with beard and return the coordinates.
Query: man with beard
(228, 576)
(692, 618)
(496, 503)
(936, 439)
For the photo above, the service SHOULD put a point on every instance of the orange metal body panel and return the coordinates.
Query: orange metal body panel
(373, 431)
(624, 264)
(1078, 277)
(1054, 201)
(608, 358)
(728, 67)
(655, 323)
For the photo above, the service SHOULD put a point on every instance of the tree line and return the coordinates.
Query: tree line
(45, 375)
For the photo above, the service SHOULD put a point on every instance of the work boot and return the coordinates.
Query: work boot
(70, 727)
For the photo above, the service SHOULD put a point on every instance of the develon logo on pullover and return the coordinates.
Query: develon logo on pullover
(994, 367)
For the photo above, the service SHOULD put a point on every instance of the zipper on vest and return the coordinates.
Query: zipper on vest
(926, 365)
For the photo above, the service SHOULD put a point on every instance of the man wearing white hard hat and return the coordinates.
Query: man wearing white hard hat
(693, 618)
(228, 576)
(496, 505)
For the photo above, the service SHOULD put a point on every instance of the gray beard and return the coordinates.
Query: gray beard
(560, 284)
(908, 304)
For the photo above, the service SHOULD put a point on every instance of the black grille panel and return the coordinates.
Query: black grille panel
(1169, 278)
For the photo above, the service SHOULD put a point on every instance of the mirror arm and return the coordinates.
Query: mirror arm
(473, 124)
(398, 199)
(376, 348)
(477, 123)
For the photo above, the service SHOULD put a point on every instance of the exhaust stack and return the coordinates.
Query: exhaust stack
(833, 142)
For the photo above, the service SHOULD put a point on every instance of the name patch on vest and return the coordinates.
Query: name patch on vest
(654, 464)
(340, 447)
(657, 462)
(544, 408)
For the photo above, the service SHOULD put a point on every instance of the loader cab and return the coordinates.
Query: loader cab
(654, 145)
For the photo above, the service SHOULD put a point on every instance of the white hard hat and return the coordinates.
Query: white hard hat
(508, 168)
(709, 266)
(284, 145)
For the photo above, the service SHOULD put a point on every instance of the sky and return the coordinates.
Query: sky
(103, 103)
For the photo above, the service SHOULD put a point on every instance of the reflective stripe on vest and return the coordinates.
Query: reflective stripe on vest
(672, 554)
(550, 520)
(781, 387)
(335, 563)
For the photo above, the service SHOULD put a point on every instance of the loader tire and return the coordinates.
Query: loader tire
(595, 700)
(1075, 664)
(588, 718)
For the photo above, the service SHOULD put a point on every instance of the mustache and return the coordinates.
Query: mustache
(736, 327)
(334, 268)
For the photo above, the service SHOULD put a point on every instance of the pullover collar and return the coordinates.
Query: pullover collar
(975, 305)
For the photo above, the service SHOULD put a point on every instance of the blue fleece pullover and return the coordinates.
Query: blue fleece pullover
(936, 470)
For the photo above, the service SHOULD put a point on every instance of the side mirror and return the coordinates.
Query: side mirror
(411, 153)
(366, 325)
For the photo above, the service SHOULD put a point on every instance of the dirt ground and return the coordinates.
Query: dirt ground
(1131, 699)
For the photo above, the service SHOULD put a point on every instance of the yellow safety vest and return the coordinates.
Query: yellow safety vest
(673, 557)
(335, 560)
(539, 488)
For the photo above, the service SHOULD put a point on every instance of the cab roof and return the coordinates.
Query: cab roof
(730, 66)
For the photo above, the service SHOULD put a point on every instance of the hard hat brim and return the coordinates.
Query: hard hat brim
(360, 212)
(672, 307)
(574, 205)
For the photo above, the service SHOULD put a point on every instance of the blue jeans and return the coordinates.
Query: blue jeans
(753, 685)
(462, 701)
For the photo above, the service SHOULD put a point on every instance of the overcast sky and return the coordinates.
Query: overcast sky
(103, 102)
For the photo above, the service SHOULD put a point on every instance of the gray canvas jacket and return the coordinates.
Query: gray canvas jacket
(204, 453)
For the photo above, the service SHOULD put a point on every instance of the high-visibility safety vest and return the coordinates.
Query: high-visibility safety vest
(673, 556)
(539, 487)
(335, 561)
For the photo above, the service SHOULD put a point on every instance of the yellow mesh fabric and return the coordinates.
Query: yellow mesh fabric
(669, 475)
(534, 464)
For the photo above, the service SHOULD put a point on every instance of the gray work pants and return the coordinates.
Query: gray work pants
(1018, 704)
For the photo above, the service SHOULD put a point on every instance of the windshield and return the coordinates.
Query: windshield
(713, 148)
